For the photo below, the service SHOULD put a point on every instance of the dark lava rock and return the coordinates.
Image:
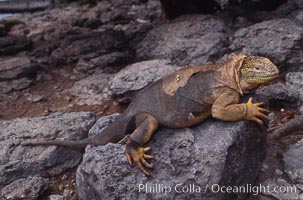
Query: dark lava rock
(114, 58)
(299, 3)
(93, 90)
(175, 8)
(82, 44)
(278, 39)
(12, 44)
(56, 197)
(280, 95)
(294, 80)
(18, 161)
(25, 189)
(14, 85)
(105, 60)
(214, 152)
(102, 123)
(2, 30)
(293, 162)
(283, 10)
(16, 67)
(293, 165)
(128, 81)
(297, 16)
(114, 11)
(193, 39)
(291, 194)
(108, 11)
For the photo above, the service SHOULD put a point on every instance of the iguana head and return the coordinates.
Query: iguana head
(255, 71)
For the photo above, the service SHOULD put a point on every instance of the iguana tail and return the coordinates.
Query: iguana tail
(67, 143)
(115, 132)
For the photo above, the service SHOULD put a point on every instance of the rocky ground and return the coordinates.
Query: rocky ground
(64, 69)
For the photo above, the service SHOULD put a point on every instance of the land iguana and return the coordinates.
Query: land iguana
(183, 99)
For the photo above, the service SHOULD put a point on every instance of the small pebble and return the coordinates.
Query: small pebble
(67, 192)
(55, 197)
(64, 177)
(60, 187)
(279, 172)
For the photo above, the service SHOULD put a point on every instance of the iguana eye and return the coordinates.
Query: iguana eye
(257, 68)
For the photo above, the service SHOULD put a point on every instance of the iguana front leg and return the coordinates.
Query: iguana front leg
(226, 108)
(146, 126)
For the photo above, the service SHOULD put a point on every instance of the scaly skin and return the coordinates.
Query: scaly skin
(183, 99)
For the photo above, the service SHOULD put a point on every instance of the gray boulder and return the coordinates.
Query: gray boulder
(14, 85)
(106, 60)
(292, 194)
(25, 189)
(92, 90)
(191, 159)
(10, 45)
(299, 3)
(192, 39)
(17, 161)
(293, 166)
(85, 44)
(294, 80)
(103, 12)
(293, 162)
(278, 39)
(280, 95)
(297, 16)
(56, 197)
(128, 81)
(16, 67)
(102, 123)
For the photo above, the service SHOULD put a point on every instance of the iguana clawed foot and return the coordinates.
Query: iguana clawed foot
(139, 156)
(255, 112)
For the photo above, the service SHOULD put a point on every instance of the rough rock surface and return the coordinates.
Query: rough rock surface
(16, 67)
(82, 45)
(293, 162)
(192, 39)
(105, 60)
(292, 194)
(299, 3)
(297, 16)
(294, 80)
(108, 11)
(213, 152)
(56, 197)
(223, 3)
(65, 35)
(126, 82)
(102, 123)
(12, 44)
(26, 188)
(278, 39)
(280, 95)
(92, 90)
(14, 85)
(17, 161)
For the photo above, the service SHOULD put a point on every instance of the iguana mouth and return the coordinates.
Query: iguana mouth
(261, 78)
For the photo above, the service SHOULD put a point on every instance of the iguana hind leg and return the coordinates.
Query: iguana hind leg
(146, 125)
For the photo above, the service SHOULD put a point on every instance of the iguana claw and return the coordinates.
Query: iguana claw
(255, 112)
(139, 156)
